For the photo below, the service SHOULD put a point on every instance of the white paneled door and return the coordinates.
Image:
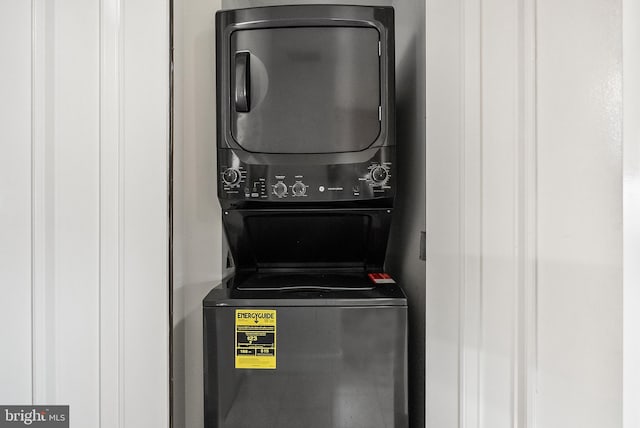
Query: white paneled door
(525, 225)
(84, 258)
(15, 202)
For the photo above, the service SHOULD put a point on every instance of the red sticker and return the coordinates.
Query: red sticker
(381, 278)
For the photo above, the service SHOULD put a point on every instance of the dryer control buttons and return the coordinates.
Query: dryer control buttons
(280, 189)
(299, 189)
(231, 176)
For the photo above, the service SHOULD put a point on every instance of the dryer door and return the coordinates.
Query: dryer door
(305, 89)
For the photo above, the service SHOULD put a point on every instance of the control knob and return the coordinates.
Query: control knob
(299, 188)
(379, 175)
(231, 176)
(280, 189)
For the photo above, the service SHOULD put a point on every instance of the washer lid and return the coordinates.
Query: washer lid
(320, 290)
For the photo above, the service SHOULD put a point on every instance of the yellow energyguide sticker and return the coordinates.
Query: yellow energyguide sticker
(255, 339)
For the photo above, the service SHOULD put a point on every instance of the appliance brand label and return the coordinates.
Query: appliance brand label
(255, 339)
(34, 416)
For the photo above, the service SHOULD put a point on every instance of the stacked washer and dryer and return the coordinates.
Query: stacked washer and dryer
(309, 331)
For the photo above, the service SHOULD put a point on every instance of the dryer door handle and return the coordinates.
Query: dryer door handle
(242, 79)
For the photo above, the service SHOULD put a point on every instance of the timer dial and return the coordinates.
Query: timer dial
(280, 189)
(231, 176)
(379, 175)
(299, 189)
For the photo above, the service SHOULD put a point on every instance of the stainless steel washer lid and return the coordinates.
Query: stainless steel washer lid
(304, 289)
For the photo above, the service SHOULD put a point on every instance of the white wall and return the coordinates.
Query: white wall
(84, 250)
(198, 239)
(631, 212)
(524, 213)
(403, 252)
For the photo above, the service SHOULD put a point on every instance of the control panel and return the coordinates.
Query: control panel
(306, 183)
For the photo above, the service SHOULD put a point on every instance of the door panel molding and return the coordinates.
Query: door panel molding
(112, 233)
(488, 150)
(43, 313)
